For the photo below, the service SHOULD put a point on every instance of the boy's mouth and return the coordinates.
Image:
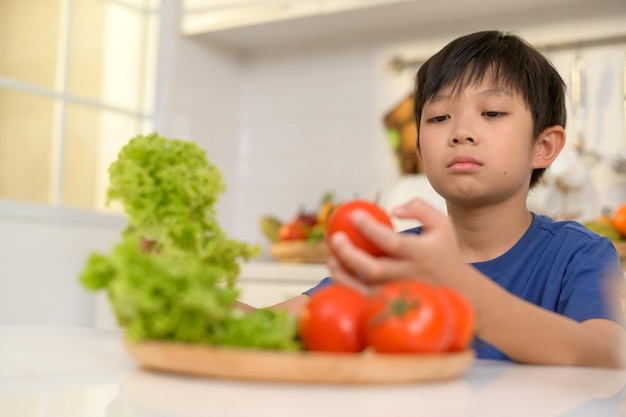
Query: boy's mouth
(464, 164)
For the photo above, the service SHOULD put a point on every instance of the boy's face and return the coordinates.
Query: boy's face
(477, 144)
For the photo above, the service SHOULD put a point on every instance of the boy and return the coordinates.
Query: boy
(490, 112)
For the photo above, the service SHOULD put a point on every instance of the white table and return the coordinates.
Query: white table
(67, 371)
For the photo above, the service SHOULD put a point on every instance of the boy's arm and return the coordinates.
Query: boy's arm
(525, 332)
(530, 334)
(292, 305)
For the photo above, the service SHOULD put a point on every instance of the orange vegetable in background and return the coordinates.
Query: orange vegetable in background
(325, 211)
(293, 231)
(618, 221)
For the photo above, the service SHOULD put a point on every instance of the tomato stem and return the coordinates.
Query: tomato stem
(397, 306)
(403, 304)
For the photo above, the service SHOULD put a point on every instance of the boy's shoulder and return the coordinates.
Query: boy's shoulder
(568, 229)
(564, 237)
(546, 232)
(544, 224)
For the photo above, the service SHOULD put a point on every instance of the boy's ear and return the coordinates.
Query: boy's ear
(548, 146)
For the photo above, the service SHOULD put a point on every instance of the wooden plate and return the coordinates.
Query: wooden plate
(309, 367)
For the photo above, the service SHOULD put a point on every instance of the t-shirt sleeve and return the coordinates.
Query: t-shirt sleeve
(323, 283)
(593, 283)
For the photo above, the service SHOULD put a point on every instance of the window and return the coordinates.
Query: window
(77, 81)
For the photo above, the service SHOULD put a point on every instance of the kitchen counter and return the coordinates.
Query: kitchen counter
(68, 371)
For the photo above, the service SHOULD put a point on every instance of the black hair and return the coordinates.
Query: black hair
(511, 62)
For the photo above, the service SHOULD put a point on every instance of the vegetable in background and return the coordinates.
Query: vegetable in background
(609, 222)
(172, 276)
(270, 226)
(618, 220)
(306, 225)
(293, 231)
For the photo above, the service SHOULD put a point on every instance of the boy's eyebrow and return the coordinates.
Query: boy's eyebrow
(496, 92)
(487, 92)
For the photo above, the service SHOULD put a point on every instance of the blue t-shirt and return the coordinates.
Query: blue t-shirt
(560, 266)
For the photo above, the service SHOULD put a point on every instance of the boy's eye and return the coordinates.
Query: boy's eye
(438, 119)
(493, 114)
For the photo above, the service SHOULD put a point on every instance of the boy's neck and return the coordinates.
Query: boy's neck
(484, 233)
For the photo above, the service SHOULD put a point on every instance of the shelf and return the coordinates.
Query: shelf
(201, 16)
(297, 24)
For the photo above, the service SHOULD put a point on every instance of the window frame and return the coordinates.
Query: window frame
(54, 211)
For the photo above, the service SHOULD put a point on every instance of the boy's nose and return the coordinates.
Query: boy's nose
(458, 139)
(464, 130)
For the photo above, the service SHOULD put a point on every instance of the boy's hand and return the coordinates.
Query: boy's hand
(426, 256)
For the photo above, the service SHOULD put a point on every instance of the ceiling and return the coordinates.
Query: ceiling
(418, 16)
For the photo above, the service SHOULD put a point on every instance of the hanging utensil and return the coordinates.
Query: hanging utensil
(619, 164)
(579, 112)
(624, 93)
(590, 156)
(578, 107)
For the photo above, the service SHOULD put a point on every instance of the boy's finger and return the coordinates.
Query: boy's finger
(379, 234)
(421, 211)
(342, 276)
(359, 265)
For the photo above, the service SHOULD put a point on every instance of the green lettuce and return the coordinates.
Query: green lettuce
(173, 274)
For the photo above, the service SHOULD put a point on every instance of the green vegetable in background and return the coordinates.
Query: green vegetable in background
(173, 274)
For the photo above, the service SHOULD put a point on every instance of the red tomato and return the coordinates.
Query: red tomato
(407, 316)
(293, 231)
(339, 220)
(307, 219)
(618, 221)
(463, 318)
(333, 320)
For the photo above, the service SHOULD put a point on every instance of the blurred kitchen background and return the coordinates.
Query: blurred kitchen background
(289, 99)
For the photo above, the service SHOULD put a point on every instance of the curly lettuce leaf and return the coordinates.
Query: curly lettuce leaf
(172, 276)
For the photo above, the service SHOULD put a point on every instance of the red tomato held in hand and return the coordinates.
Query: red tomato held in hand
(464, 319)
(408, 316)
(339, 220)
(333, 320)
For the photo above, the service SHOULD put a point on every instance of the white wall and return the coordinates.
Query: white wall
(199, 99)
(310, 122)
